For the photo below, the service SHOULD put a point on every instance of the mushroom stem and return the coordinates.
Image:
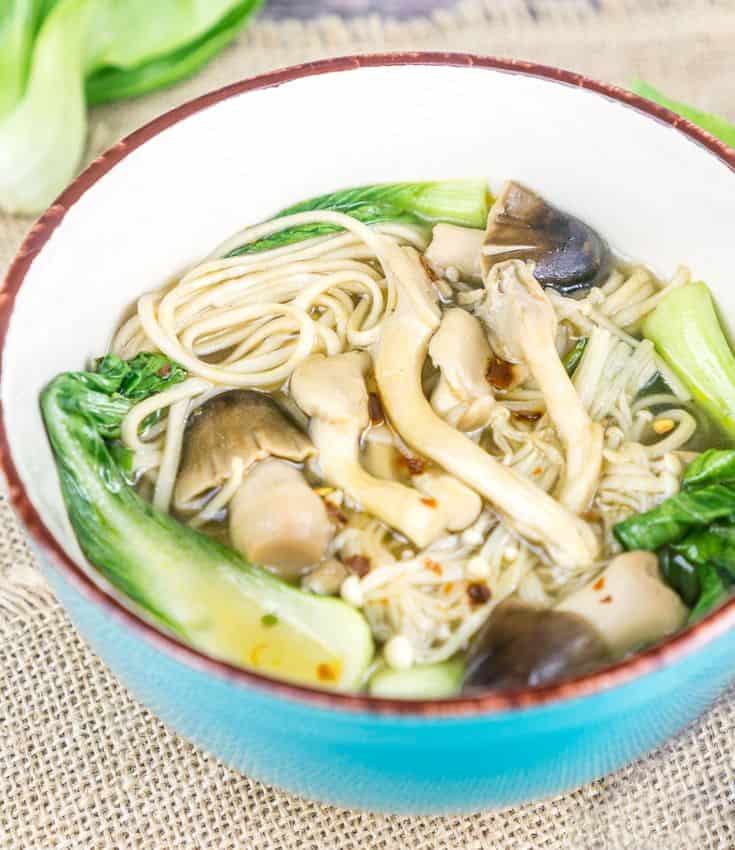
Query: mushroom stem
(522, 325)
(331, 390)
(399, 358)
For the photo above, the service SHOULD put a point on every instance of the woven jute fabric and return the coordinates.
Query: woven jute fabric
(83, 766)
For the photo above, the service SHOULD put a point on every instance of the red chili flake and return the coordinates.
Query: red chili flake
(429, 502)
(325, 673)
(434, 566)
(358, 564)
(335, 513)
(415, 465)
(478, 592)
(375, 409)
(538, 470)
(164, 371)
(599, 584)
(606, 599)
(500, 374)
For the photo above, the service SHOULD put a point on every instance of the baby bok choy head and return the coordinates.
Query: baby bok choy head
(202, 591)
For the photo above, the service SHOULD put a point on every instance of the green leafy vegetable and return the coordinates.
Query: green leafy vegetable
(121, 48)
(687, 333)
(115, 83)
(672, 519)
(713, 545)
(201, 590)
(574, 355)
(714, 124)
(712, 466)
(713, 591)
(463, 202)
(693, 532)
(430, 681)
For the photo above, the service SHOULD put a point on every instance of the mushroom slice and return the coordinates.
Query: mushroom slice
(459, 349)
(399, 359)
(629, 603)
(568, 254)
(277, 520)
(331, 390)
(239, 424)
(521, 645)
(522, 327)
(455, 247)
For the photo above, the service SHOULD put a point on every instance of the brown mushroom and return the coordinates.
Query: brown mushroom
(243, 424)
(567, 253)
(274, 516)
(521, 645)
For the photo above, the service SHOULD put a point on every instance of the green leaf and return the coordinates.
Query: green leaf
(42, 137)
(19, 23)
(463, 202)
(686, 332)
(712, 545)
(713, 592)
(710, 467)
(680, 574)
(714, 124)
(672, 519)
(115, 83)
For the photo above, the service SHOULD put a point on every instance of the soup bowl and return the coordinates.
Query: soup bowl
(658, 188)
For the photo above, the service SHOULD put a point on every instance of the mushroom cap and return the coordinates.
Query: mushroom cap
(243, 424)
(568, 254)
(333, 388)
(521, 645)
(516, 311)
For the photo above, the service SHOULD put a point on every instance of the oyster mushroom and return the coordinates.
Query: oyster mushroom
(522, 326)
(625, 607)
(568, 255)
(275, 518)
(399, 357)
(459, 349)
(455, 247)
(331, 390)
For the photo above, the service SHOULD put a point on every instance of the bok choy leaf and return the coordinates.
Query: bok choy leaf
(122, 49)
(463, 202)
(199, 589)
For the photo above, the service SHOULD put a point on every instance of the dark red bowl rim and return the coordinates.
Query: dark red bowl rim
(669, 651)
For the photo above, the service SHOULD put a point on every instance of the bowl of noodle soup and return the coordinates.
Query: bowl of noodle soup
(389, 459)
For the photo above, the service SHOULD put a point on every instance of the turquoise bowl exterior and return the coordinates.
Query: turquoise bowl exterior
(406, 763)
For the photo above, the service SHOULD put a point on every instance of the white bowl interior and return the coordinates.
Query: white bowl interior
(653, 193)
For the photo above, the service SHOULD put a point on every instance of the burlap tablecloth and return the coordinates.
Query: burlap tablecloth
(83, 766)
